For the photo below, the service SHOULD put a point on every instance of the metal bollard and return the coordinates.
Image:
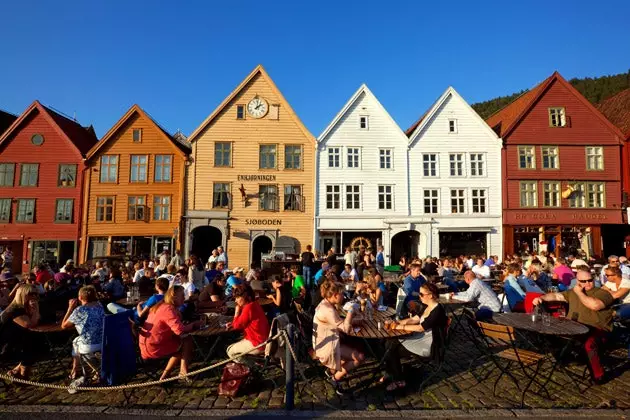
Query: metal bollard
(289, 370)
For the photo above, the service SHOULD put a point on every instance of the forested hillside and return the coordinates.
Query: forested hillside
(595, 89)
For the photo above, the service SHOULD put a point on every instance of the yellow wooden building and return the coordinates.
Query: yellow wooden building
(134, 188)
(250, 185)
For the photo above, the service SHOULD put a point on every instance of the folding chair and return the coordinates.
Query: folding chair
(435, 362)
(258, 363)
(500, 346)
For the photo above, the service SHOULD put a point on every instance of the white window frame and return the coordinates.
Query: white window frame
(527, 151)
(551, 153)
(364, 119)
(460, 202)
(459, 164)
(334, 152)
(353, 199)
(482, 200)
(533, 194)
(435, 162)
(480, 167)
(330, 191)
(597, 191)
(551, 194)
(385, 194)
(434, 199)
(555, 113)
(452, 129)
(386, 158)
(596, 154)
(577, 200)
(356, 155)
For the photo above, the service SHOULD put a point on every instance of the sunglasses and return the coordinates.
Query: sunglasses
(585, 281)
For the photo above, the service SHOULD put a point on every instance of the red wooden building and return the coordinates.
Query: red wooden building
(41, 178)
(561, 171)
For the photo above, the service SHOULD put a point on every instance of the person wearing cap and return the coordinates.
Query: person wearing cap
(236, 279)
(69, 266)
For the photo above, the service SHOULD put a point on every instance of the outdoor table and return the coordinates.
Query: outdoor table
(378, 315)
(215, 329)
(368, 330)
(129, 303)
(57, 352)
(230, 304)
(451, 306)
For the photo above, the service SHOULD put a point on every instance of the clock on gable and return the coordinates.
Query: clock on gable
(257, 107)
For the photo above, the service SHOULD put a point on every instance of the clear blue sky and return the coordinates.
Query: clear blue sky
(179, 59)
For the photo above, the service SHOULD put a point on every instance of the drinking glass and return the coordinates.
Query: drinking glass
(546, 319)
(562, 313)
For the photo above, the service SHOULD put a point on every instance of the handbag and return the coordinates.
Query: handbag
(234, 374)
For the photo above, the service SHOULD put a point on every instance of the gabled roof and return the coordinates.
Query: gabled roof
(135, 109)
(83, 138)
(617, 110)
(258, 70)
(6, 120)
(418, 126)
(363, 90)
(505, 120)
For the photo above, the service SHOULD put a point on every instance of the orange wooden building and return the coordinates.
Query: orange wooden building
(133, 196)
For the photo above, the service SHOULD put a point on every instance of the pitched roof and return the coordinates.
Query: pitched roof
(135, 109)
(415, 125)
(83, 138)
(505, 120)
(617, 110)
(6, 120)
(363, 90)
(258, 70)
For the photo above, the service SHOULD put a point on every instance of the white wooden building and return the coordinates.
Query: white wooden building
(362, 184)
(455, 180)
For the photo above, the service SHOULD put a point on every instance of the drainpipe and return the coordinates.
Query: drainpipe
(82, 217)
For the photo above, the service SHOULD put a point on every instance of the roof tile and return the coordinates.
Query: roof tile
(617, 110)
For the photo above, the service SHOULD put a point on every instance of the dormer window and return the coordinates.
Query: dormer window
(452, 126)
(364, 122)
(557, 117)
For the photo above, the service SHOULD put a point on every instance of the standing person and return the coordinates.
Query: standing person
(213, 256)
(163, 264)
(177, 259)
(196, 273)
(307, 259)
(350, 256)
(7, 258)
(380, 260)
(222, 257)
(250, 318)
(331, 258)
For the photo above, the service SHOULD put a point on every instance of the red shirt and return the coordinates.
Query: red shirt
(160, 334)
(43, 276)
(253, 321)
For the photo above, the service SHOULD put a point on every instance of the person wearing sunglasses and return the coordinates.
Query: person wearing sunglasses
(590, 306)
(619, 288)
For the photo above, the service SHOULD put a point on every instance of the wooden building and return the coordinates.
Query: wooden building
(41, 178)
(561, 171)
(134, 191)
(250, 186)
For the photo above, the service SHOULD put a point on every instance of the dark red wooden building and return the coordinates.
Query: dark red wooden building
(561, 171)
(41, 186)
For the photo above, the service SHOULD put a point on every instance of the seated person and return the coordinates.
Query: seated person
(236, 279)
(279, 296)
(513, 292)
(374, 282)
(411, 288)
(142, 310)
(15, 321)
(212, 272)
(161, 334)
(213, 295)
(349, 274)
(590, 306)
(114, 287)
(188, 284)
(253, 273)
(481, 270)
(42, 274)
(86, 314)
(145, 282)
(480, 293)
(429, 334)
(448, 274)
(338, 357)
(619, 288)
(321, 273)
(542, 279)
(170, 273)
(250, 318)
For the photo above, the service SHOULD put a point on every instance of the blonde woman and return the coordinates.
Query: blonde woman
(15, 321)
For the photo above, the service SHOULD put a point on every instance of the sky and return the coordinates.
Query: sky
(179, 59)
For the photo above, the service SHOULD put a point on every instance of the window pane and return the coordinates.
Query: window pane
(7, 174)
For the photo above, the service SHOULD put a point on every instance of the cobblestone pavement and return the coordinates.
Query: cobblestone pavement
(457, 388)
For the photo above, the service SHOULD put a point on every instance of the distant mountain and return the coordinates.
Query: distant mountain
(595, 89)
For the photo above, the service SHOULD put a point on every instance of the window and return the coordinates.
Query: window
(477, 164)
(353, 197)
(64, 210)
(105, 209)
(333, 197)
(138, 168)
(594, 158)
(109, 168)
(456, 161)
(385, 197)
(163, 166)
(67, 175)
(452, 126)
(240, 112)
(137, 135)
(5, 210)
(267, 156)
(222, 154)
(26, 210)
(529, 196)
(595, 194)
(353, 157)
(479, 197)
(162, 207)
(221, 195)
(458, 201)
(385, 158)
(551, 194)
(526, 157)
(364, 122)
(37, 139)
(136, 208)
(29, 174)
(268, 197)
(429, 165)
(292, 156)
(7, 173)
(334, 157)
(577, 199)
(293, 200)
(431, 199)
(550, 158)
(557, 117)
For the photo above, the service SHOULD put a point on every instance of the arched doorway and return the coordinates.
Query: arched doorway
(204, 240)
(261, 245)
(404, 243)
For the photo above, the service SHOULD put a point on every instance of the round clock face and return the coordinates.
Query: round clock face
(257, 107)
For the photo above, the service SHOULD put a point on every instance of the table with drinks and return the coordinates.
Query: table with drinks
(213, 326)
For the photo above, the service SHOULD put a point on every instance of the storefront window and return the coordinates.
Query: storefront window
(121, 245)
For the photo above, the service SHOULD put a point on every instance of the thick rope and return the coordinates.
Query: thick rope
(142, 385)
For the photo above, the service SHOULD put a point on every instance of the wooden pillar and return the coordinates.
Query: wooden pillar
(508, 241)
(596, 238)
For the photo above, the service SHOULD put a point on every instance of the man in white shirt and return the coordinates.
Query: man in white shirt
(623, 265)
(350, 257)
(619, 288)
(349, 274)
(69, 266)
(177, 259)
(481, 270)
(576, 262)
(213, 256)
(222, 255)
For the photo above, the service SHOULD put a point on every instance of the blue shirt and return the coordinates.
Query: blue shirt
(412, 285)
(115, 288)
(380, 259)
(88, 320)
(152, 301)
(319, 275)
(489, 262)
(514, 293)
(211, 274)
(231, 282)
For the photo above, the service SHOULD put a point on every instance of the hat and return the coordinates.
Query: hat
(238, 269)
(69, 262)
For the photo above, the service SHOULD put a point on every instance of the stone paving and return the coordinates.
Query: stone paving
(456, 389)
